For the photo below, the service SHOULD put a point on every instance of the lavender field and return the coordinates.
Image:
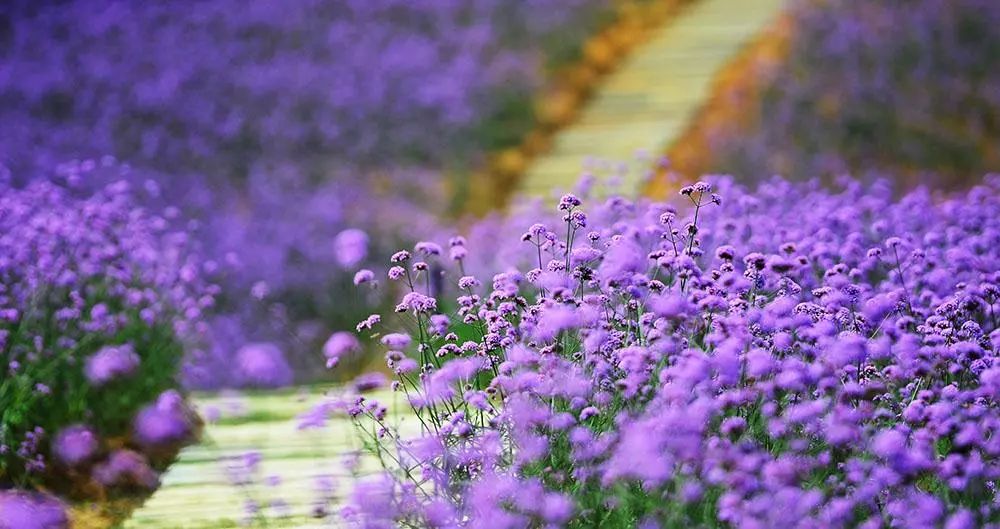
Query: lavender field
(244, 280)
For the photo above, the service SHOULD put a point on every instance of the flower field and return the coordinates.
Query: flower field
(786, 356)
(240, 283)
(295, 115)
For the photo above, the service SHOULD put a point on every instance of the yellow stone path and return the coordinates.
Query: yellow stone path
(646, 103)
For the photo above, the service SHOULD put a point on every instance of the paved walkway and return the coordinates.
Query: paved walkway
(646, 103)
(198, 491)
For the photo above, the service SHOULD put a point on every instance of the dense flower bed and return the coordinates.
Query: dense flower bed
(221, 85)
(789, 356)
(277, 124)
(868, 86)
(98, 299)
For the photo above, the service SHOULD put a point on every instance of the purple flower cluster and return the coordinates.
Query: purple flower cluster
(262, 365)
(126, 469)
(96, 294)
(791, 356)
(165, 423)
(76, 445)
(110, 363)
(878, 86)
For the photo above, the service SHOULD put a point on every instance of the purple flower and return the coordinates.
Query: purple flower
(340, 345)
(75, 445)
(569, 201)
(167, 422)
(27, 510)
(369, 322)
(262, 365)
(369, 382)
(364, 276)
(351, 247)
(427, 248)
(417, 302)
(126, 469)
(398, 341)
(839, 55)
(718, 370)
(396, 273)
(111, 362)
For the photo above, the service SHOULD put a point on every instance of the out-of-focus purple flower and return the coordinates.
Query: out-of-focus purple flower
(83, 270)
(340, 345)
(260, 290)
(843, 77)
(398, 341)
(126, 469)
(30, 510)
(168, 422)
(75, 445)
(262, 365)
(237, 152)
(351, 247)
(369, 382)
(111, 362)
(364, 276)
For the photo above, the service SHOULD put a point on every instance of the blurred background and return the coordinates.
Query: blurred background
(300, 141)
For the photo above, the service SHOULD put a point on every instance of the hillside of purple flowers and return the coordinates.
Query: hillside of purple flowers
(275, 125)
(98, 300)
(878, 86)
(785, 356)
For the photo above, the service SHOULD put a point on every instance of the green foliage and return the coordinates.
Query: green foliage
(43, 358)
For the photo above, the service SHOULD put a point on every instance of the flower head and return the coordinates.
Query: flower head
(75, 445)
(110, 363)
(262, 365)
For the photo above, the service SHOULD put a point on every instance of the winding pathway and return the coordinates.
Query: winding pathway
(647, 102)
(641, 107)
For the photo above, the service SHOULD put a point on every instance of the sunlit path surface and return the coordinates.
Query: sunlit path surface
(647, 102)
(198, 491)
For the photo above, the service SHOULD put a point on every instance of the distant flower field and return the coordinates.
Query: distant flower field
(273, 126)
(909, 89)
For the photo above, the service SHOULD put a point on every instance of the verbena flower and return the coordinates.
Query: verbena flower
(339, 346)
(125, 469)
(75, 445)
(110, 363)
(262, 365)
(166, 422)
(351, 247)
(26, 510)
